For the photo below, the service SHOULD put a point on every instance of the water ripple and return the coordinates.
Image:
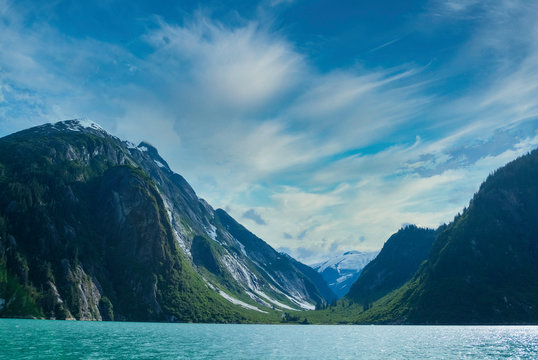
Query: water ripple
(30, 339)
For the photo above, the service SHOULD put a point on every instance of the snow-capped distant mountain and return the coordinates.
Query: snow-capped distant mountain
(341, 271)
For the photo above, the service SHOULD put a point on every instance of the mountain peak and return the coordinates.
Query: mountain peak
(78, 125)
(153, 153)
(145, 146)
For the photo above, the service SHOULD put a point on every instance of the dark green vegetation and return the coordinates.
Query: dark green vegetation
(483, 267)
(397, 262)
(95, 228)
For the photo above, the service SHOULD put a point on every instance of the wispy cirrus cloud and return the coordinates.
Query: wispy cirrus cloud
(381, 192)
(250, 102)
(242, 69)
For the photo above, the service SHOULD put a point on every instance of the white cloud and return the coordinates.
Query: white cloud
(237, 68)
(295, 200)
(362, 214)
(354, 108)
(47, 76)
(248, 102)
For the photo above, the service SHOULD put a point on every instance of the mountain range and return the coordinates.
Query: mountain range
(96, 228)
(341, 271)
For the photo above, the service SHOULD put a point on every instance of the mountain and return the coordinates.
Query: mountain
(396, 263)
(287, 271)
(483, 266)
(93, 227)
(341, 271)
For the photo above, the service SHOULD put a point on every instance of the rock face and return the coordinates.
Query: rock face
(483, 266)
(92, 227)
(291, 276)
(340, 272)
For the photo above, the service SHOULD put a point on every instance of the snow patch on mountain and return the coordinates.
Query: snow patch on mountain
(275, 302)
(239, 272)
(129, 145)
(258, 299)
(90, 124)
(232, 299)
(301, 303)
(176, 225)
(350, 260)
(239, 302)
(211, 232)
(78, 125)
(252, 283)
(242, 247)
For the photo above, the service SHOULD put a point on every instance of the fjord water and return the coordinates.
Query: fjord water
(30, 339)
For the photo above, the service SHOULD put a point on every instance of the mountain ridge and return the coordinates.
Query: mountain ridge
(99, 199)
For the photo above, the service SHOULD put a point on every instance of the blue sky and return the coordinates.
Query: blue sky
(322, 126)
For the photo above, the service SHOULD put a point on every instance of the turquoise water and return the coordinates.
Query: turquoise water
(30, 339)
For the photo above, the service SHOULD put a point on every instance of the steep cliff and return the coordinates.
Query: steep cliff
(92, 227)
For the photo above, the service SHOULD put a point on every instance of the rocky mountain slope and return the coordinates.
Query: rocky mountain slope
(483, 266)
(340, 272)
(92, 227)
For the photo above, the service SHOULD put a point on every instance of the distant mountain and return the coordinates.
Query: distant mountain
(341, 271)
(483, 267)
(396, 263)
(92, 227)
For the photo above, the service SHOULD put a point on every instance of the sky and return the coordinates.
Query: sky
(321, 126)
